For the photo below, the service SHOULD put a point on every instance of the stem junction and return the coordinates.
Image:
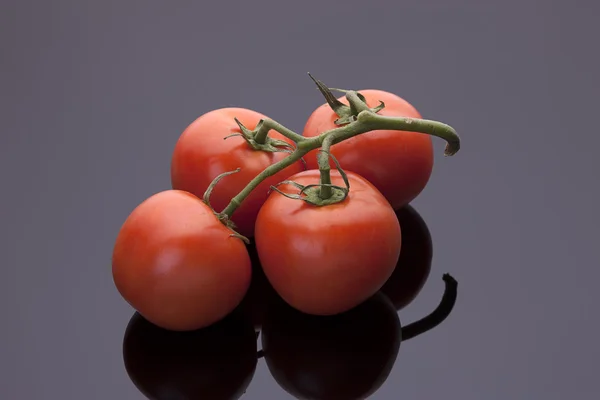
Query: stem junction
(354, 119)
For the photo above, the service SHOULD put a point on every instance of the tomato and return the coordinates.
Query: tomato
(346, 356)
(414, 264)
(398, 163)
(217, 362)
(202, 153)
(176, 264)
(328, 259)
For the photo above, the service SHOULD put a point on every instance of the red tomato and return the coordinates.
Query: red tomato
(201, 153)
(398, 163)
(176, 264)
(326, 260)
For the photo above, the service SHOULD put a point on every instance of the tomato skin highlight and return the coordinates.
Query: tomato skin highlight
(327, 260)
(398, 163)
(176, 264)
(201, 154)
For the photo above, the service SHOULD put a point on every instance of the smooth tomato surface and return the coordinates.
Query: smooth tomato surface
(398, 163)
(326, 260)
(201, 154)
(176, 264)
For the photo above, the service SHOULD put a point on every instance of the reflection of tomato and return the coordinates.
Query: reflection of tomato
(325, 260)
(176, 263)
(217, 362)
(414, 264)
(202, 153)
(398, 163)
(346, 356)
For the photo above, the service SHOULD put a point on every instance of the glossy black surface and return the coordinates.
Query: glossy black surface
(347, 356)
(215, 363)
(93, 96)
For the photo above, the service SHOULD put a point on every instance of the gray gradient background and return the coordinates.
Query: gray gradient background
(95, 94)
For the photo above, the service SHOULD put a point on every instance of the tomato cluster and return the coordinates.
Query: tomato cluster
(398, 163)
(303, 353)
(184, 266)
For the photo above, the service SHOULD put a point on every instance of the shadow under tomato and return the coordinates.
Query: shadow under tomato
(261, 293)
(414, 265)
(403, 286)
(346, 356)
(217, 362)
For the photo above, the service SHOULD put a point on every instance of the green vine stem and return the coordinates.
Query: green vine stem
(313, 194)
(325, 169)
(266, 125)
(355, 119)
(224, 218)
(357, 102)
(272, 169)
(366, 121)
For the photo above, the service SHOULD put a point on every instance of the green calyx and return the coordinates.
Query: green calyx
(259, 140)
(323, 193)
(311, 194)
(354, 119)
(224, 218)
(346, 114)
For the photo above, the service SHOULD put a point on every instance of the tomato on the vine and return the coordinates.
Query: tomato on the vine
(398, 163)
(202, 153)
(327, 259)
(176, 263)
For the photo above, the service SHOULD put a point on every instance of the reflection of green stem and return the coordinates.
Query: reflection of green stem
(366, 121)
(438, 315)
(429, 322)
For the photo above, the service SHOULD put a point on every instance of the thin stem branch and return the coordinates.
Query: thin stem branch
(325, 169)
(268, 124)
(269, 171)
(356, 103)
(373, 121)
(366, 121)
